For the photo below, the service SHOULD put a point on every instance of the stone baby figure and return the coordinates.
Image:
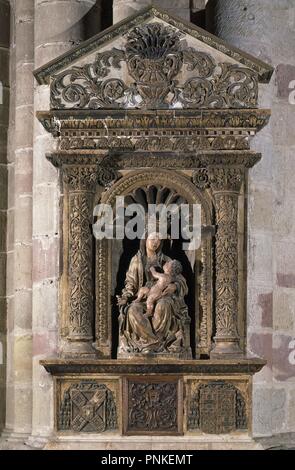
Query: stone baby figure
(171, 269)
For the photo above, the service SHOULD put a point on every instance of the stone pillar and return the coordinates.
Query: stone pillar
(19, 288)
(81, 182)
(58, 27)
(239, 23)
(124, 8)
(4, 117)
(226, 185)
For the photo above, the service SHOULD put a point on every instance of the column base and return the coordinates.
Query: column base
(10, 440)
(38, 442)
(226, 348)
(78, 349)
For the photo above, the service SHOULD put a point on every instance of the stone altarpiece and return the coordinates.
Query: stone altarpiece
(153, 108)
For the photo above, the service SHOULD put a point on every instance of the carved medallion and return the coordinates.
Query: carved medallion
(152, 406)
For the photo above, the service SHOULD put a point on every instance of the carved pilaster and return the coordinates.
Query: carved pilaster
(103, 319)
(226, 185)
(80, 183)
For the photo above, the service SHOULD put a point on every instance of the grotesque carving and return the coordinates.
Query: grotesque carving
(155, 55)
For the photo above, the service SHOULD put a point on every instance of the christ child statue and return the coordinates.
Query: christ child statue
(172, 269)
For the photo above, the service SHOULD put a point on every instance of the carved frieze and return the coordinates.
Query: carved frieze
(158, 143)
(217, 407)
(101, 122)
(87, 406)
(155, 55)
(188, 161)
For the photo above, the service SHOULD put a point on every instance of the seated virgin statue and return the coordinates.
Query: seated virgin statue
(153, 315)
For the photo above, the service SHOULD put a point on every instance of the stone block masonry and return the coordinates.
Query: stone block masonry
(4, 172)
(268, 33)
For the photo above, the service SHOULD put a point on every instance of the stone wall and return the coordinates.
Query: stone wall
(66, 28)
(4, 115)
(42, 30)
(267, 31)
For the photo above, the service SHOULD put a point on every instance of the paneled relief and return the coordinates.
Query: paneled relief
(152, 406)
(87, 406)
(217, 407)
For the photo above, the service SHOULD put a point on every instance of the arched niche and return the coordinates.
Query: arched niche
(112, 258)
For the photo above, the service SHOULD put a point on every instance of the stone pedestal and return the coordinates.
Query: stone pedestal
(106, 399)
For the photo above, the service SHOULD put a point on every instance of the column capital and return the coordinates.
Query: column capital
(80, 178)
(220, 179)
(226, 178)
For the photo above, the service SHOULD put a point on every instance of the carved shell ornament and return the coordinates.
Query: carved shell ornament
(155, 56)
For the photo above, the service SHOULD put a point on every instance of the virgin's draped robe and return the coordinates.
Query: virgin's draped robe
(164, 332)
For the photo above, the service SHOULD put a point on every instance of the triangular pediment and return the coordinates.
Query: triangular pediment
(154, 60)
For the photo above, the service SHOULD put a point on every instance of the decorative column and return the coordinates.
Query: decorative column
(19, 272)
(80, 183)
(226, 185)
